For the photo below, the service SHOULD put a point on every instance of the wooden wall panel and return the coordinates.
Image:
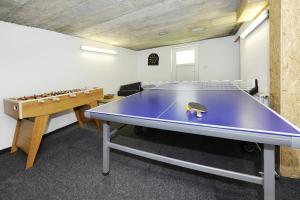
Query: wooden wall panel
(285, 73)
(290, 80)
(290, 69)
(275, 35)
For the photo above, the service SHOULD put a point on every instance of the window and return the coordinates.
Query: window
(185, 57)
(185, 66)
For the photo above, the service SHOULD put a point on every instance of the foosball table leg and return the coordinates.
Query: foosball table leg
(38, 130)
(14, 147)
(78, 112)
(97, 122)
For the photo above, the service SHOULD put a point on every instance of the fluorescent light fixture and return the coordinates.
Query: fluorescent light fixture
(250, 9)
(255, 23)
(98, 50)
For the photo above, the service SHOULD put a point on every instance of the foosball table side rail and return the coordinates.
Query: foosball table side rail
(50, 105)
(13, 108)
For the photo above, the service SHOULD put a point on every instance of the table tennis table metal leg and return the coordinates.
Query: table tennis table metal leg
(106, 150)
(269, 172)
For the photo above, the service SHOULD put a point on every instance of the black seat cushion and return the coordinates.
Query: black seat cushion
(130, 89)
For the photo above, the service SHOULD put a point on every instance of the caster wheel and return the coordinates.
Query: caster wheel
(105, 174)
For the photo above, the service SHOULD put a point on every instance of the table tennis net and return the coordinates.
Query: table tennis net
(200, 85)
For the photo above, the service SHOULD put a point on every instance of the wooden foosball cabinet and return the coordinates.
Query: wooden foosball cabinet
(33, 112)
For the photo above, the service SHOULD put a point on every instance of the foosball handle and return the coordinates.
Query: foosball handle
(41, 101)
(72, 95)
(55, 99)
(198, 114)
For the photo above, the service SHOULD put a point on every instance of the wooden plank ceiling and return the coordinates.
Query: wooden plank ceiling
(133, 24)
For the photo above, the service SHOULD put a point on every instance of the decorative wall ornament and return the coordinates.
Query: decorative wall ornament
(153, 59)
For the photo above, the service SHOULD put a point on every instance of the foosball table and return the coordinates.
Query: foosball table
(33, 112)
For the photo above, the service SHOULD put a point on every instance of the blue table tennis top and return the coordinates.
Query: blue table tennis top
(228, 109)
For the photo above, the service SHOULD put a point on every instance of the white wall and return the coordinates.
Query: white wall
(254, 52)
(217, 59)
(36, 61)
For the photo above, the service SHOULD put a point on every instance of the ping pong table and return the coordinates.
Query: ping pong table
(232, 114)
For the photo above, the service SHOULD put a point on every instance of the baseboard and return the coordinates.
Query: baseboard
(6, 150)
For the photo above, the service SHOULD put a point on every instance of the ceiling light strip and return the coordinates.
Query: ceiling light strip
(255, 23)
(97, 50)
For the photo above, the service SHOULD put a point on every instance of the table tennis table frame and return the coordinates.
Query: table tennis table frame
(267, 180)
(268, 139)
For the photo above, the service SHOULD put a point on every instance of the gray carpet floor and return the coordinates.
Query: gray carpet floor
(69, 163)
